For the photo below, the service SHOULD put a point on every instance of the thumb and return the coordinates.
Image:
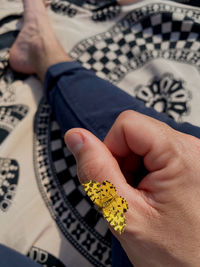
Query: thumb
(94, 160)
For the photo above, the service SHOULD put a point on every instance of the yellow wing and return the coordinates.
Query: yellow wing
(112, 206)
(92, 189)
(108, 192)
(100, 194)
(114, 213)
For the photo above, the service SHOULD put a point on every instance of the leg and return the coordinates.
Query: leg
(84, 99)
(34, 49)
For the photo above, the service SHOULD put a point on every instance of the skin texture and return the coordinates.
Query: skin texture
(163, 219)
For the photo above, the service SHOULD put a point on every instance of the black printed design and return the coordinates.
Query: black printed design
(100, 10)
(107, 11)
(44, 258)
(88, 241)
(166, 94)
(9, 174)
(3, 63)
(151, 32)
(100, 250)
(10, 116)
(7, 93)
(63, 7)
(7, 75)
(72, 210)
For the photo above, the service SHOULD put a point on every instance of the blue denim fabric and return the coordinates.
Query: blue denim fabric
(80, 99)
(119, 257)
(11, 258)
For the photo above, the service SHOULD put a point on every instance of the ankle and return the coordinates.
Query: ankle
(36, 47)
(45, 53)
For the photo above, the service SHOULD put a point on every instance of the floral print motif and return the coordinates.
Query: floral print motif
(167, 95)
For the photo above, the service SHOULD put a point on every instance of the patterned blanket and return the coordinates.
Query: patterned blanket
(151, 50)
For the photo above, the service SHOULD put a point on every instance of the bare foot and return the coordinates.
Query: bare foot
(21, 53)
(35, 46)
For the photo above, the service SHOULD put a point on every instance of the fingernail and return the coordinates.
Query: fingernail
(74, 142)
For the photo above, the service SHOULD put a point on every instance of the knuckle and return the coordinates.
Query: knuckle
(190, 149)
(126, 115)
(185, 150)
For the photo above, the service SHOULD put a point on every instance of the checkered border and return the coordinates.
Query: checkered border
(169, 32)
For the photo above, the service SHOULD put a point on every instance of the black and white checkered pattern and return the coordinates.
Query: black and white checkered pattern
(65, 166)
(167, 28)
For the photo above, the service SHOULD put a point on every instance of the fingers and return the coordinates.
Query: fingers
(135, 133)
(94, 160)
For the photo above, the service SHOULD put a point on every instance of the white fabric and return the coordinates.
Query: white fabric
(28, 222)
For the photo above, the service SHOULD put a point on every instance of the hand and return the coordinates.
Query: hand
(163, 220)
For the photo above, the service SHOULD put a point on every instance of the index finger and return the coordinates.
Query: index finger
(136, 133)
